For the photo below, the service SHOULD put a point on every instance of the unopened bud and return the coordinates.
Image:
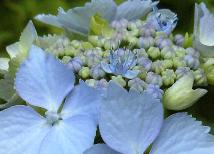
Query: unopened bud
(153, 52)
(153, 78)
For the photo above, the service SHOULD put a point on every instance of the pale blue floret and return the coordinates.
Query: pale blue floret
(164, 20)
(121, 61)
(44, 82)
(129, 122)
(77, 20)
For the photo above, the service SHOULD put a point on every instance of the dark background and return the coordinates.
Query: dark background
(14, 15)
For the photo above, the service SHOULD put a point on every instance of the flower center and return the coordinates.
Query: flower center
(122, 60)
(52, 117)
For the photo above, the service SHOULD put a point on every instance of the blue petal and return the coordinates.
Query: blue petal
(70, 136)
(49, 19)
(100, 149)
(182, 134)
(107, 67)
(83, 100)
(130, 74)
(129, 122)
(134, 9)
(77, 20)
(22, 130)
(203, 35)
(43, 81)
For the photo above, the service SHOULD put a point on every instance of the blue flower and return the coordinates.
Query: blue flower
(129, 122)
(121, 63)
(77, 19)
(163, 20)
(67, 127)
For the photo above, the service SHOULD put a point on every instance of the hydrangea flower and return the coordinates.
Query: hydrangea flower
(69, 122)
(131, 122)
(164, 19)
(203, 35)
(108, 27)
(121, 63)
(77, 20)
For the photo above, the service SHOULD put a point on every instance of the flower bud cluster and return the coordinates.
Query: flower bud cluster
(135, 55)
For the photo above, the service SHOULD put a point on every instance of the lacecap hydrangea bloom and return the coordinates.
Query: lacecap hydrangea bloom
(121, 47)
(118, 67)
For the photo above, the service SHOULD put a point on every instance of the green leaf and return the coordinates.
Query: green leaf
(99, 26)
(8, 91)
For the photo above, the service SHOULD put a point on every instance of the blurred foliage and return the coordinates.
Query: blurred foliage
(15, 14)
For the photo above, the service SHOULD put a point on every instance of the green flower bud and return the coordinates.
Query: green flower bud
(181, 95)
(84, 72)
(137, 84)
(179, 51)
(66, 59)
(93, 39)
(133, 41)
(167, 63)
(200, 77)
(167, 53)
(71, 51)
(153, 78)
(76, 44)
(140, 52)
(87, 45)
(153, 52)
(119, 79)
(132, 26)
(143, 72)
(168, 77)
(106, 54)
(135, 33)
(158, 66)
(179, 62)
(209, 70)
